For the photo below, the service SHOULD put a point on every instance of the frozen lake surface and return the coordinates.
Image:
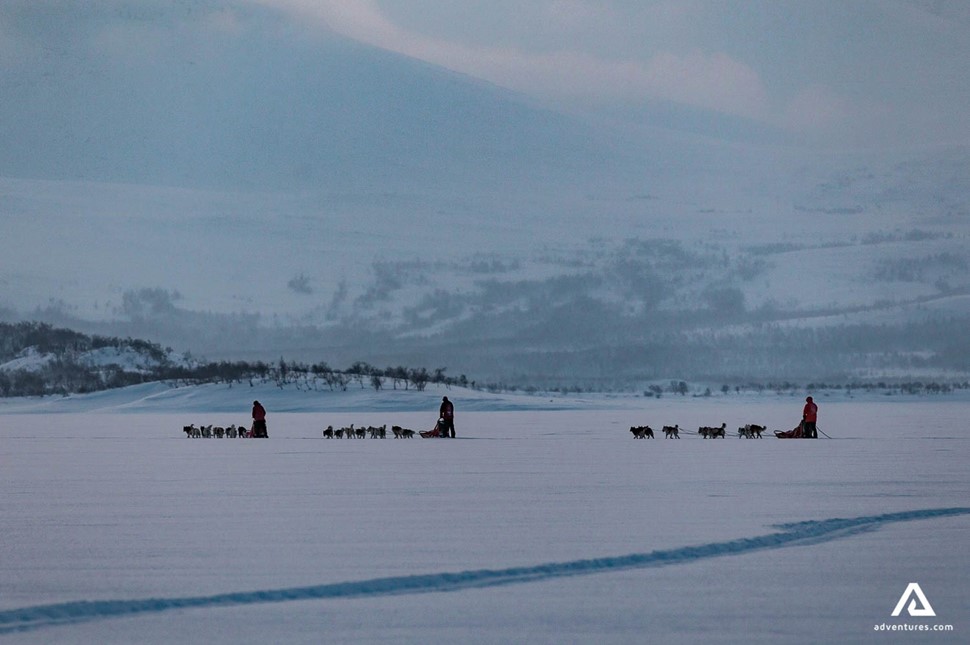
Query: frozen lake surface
(540, 526)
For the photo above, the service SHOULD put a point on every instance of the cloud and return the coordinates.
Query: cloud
(712, 81)
(814, 109)
(882, 70)
(757, 64)
(570, 16)
(709, 80)
(358, 19)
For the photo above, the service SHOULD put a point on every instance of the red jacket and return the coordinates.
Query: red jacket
(810, 413)
(259, 412)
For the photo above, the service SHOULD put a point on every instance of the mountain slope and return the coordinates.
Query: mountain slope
(256, 102)
(219, 179)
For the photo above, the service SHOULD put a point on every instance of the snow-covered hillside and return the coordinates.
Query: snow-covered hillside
(511, 288)
(127, 359)
(268, 190)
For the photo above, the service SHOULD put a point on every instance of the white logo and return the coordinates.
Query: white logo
(922, 609)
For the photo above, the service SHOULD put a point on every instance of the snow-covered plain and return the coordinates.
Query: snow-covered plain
(545, 522)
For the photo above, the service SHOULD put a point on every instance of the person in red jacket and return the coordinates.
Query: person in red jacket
(447, 415)
(259, 421)
(809, 418)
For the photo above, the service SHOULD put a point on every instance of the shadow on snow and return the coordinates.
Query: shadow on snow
(796, 534)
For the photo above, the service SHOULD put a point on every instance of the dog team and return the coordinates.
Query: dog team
(217, 432)
(375, 432)
(749, 431)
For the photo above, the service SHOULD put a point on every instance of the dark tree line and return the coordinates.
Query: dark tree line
(316, 376)
(47, 339)
(63, 370)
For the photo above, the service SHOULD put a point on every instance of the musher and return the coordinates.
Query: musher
(809, 418)
(447, 415)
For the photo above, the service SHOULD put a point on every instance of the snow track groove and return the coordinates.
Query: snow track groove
(795, 534)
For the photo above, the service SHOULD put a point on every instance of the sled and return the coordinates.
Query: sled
(434, 432)
(795, 433)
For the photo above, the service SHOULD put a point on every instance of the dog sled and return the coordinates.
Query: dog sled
(437, 431)
(794, 433)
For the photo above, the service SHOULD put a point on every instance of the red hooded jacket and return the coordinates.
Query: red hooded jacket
(810, 413)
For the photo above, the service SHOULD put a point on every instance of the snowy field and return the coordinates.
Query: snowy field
(542, 523)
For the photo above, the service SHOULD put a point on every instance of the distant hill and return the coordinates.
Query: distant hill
(233, 185)
(38, 359)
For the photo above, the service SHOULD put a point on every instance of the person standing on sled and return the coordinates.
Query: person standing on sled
(809, 417)
(447, 415)
(259, 421)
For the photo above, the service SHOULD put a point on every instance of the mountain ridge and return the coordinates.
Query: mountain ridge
(267, 106)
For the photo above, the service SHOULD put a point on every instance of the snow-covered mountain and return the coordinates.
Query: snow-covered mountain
(254, 190)
(259, 103)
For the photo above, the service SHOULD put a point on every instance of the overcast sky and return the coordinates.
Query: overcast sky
(870, 72)
(876, 72)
